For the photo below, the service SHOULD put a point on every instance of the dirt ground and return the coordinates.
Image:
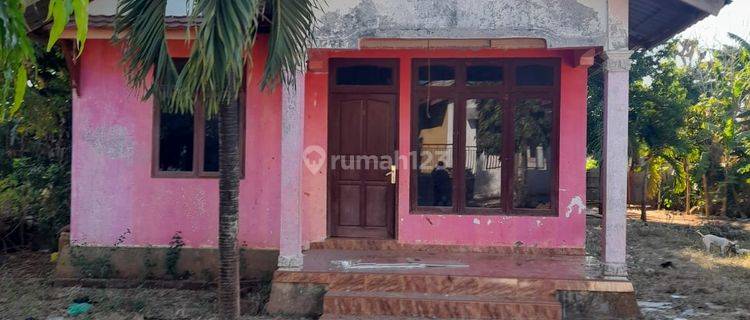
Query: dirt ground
(698, 285)
(26, 292)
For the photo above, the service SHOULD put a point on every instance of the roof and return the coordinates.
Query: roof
(654, 21)
(651, 21)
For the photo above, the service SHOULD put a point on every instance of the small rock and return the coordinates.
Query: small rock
(688, 313)
(654, 305)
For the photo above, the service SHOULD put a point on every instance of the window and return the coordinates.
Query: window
(187, 145)
(484, 136)
(364, 75)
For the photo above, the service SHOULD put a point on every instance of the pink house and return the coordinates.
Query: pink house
(418, 127)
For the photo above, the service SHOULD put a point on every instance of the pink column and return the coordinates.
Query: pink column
(292, 141)
(615, 166)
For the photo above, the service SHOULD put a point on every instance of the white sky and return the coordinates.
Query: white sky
(713, 30)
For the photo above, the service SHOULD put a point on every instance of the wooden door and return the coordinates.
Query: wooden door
(362, 133)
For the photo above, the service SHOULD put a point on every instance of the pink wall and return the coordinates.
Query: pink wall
(565, 230)
(113, 191)
(112, 187)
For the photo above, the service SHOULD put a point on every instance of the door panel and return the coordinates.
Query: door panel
(362, 132)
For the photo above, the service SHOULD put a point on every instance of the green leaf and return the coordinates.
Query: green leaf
(20, 90)
(80, 9)
(59, 12)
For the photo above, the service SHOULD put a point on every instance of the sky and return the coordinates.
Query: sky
(713, 30)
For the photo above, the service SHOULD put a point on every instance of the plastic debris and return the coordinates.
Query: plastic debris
(76, 309)
(53, 257)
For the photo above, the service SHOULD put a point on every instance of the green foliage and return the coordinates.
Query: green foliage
(59, 13)
(689, 123)
(212, 70)
(35, 158)
(17, 55)
(173, 257)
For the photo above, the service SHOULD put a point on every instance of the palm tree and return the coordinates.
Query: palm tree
(223, 32)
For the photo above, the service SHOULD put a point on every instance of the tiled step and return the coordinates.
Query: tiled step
(411, 305)
(340, 317)
(446, 285)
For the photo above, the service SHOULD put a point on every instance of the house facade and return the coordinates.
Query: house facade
(420, 123)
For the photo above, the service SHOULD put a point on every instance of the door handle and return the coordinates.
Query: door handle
(392, 174)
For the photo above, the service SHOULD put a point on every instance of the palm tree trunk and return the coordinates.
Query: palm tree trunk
(229, 164)
(658, 198)
(725, 194)
(644, 192)
(706, 195)
(686, 166)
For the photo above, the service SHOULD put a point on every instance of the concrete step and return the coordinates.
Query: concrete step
(426, 305)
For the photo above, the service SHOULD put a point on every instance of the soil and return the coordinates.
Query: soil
(693, 284)
(26, 292)
(674, 276)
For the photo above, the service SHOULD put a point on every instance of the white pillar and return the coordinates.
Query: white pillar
(615, 166)
(614, 175)
(292, 144)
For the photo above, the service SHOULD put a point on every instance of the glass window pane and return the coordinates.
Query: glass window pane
(435, 153)
(535, 75)
(364, 75)
(175, 142)
(532, 157)
(437, 76)
(211, 147)
(484, 75)
(484, 150)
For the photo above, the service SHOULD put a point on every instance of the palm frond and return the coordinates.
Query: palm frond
(740, 41)
(145, 46)
(217, 61)
(291, 28)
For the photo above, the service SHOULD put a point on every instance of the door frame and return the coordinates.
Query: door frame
(341, 90)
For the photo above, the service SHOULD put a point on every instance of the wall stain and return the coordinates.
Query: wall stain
(112, 141)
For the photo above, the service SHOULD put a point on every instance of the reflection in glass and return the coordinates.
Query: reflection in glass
(535, 75)
(484, 75)
(437, 76)
(532, 155)
(435, 153)
(175, 142)
(364, 75)
(483, 153)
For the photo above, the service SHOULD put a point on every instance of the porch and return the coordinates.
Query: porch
(382, 278)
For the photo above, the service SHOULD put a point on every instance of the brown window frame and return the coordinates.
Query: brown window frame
(199, 142)
(508, 93)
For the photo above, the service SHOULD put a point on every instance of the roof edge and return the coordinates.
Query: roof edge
(709, 6)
